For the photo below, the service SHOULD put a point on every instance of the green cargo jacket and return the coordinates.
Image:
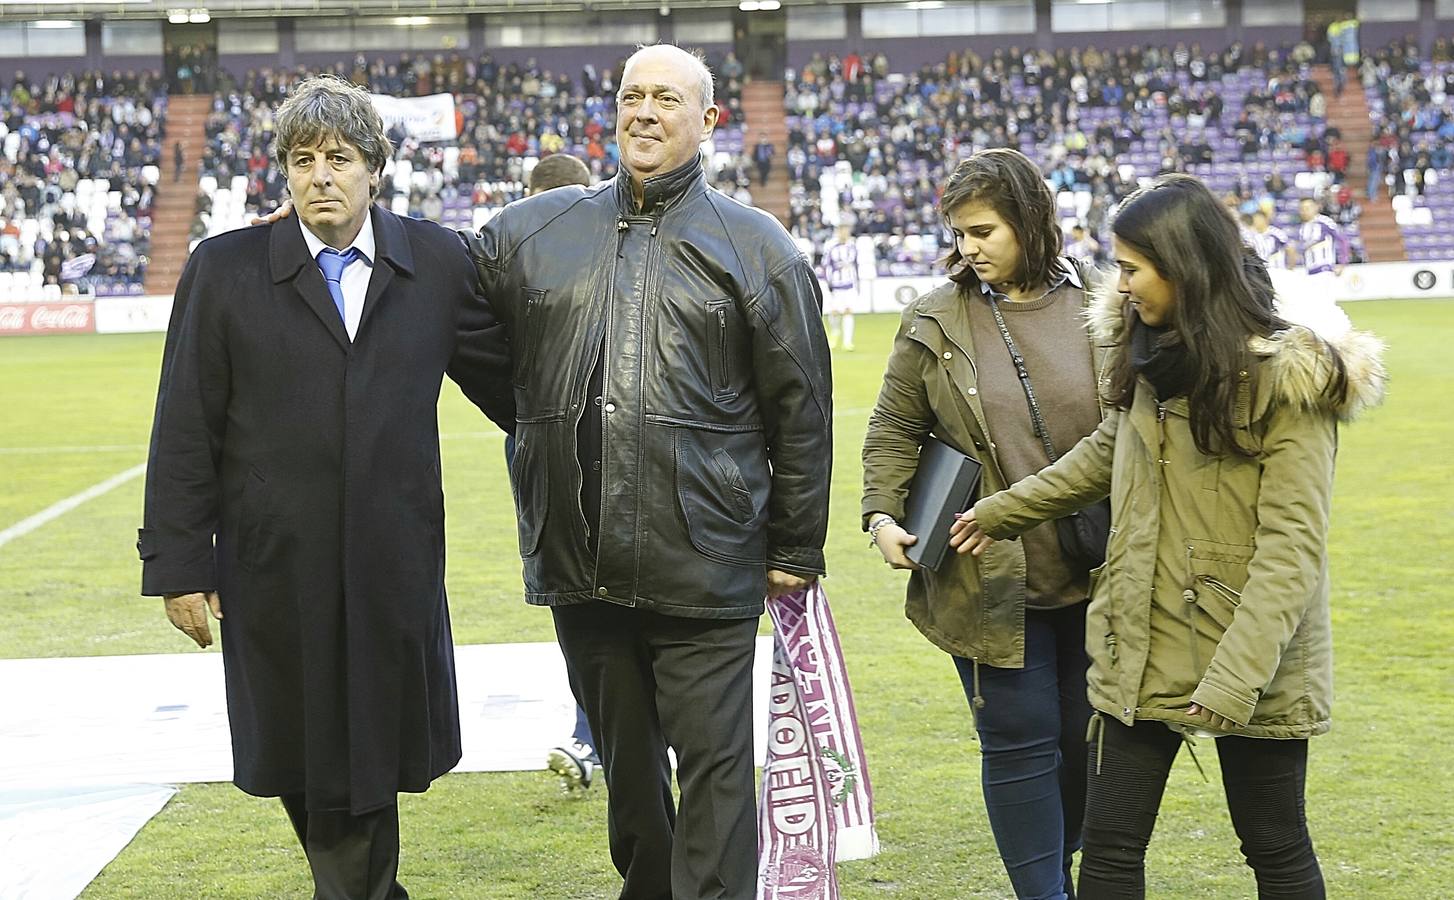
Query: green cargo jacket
(974, 608)
(1215, 587)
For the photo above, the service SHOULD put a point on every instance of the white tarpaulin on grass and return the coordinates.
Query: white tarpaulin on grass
(54, 841)
(75, 728)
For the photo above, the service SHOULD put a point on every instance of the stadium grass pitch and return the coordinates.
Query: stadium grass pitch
(77, 411)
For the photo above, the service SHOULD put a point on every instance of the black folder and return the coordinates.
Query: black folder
(944, 484)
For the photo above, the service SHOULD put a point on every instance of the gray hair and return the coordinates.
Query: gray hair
(695, 58)
(327, 106)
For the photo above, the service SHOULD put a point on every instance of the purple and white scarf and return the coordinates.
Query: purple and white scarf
(817, 804)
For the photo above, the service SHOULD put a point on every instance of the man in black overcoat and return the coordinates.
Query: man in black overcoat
(293, 486)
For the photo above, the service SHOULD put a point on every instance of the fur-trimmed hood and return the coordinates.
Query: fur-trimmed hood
(1296, 364)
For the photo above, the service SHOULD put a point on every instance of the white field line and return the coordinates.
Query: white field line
(56, 510)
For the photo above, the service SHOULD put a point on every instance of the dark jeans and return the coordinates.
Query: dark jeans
(1033, 751)
(1263, 780)
(583, 729)
(649, 681)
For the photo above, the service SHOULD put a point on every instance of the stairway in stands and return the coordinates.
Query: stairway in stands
(1382, 240)
(762, 106)
(172, 211)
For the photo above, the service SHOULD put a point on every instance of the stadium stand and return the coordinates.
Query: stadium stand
(508, 115)
(1411, 106)
(873, 145)
(855, 140)
(79, 171)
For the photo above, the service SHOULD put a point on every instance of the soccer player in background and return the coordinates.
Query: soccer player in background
(1272, 244)
(840, 270)
(1322, 243)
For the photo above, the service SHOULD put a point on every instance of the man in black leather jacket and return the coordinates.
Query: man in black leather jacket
(672, 462)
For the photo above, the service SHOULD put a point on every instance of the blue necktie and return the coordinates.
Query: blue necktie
(333, 263)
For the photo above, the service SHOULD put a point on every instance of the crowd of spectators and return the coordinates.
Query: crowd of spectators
(79, 165)
(866, 145)
(1412, 108)
(1411, 104)
(872, 147)
(506, 114)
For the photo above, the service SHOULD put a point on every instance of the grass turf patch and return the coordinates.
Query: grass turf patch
(78, 411)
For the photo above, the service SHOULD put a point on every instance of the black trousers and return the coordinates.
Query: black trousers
(352, 857)
(1264, 782)
(648, 682)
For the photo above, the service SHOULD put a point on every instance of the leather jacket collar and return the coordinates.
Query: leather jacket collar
(660, 191)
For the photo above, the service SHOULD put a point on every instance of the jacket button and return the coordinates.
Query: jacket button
(600, 592)
(972, 391)
(948, 355)
(610, 407)
(913, 328)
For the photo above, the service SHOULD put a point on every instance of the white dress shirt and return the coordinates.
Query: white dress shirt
(355, 278)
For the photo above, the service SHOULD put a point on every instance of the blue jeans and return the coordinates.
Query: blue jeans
(1032, 741)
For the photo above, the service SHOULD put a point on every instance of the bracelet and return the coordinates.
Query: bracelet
(875, 525)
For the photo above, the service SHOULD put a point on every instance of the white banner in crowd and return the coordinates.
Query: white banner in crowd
(428, 118)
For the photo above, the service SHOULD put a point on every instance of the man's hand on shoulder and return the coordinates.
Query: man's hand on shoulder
(780, 583)
(189, 613)
(277, 215)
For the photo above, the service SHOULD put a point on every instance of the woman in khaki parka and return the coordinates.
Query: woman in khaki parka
(1210, 615)
(1015, 621)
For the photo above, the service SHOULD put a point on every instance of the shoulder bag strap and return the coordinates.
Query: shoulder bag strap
(1036, 420)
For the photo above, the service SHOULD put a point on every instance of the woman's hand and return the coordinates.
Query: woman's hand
(1215, 721)
(965, 535)
(892, 540)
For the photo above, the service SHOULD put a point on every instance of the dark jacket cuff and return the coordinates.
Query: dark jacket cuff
(875, 503)
(174, 570)
(797, 560)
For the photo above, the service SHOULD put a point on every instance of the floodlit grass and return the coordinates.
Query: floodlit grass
(1379, 802)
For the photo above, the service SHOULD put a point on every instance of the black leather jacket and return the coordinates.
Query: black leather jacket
(716, 424)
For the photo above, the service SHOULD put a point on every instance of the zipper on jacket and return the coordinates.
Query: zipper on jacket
(585, 404)
(722, 348)
(648, 270)
(1232, 596)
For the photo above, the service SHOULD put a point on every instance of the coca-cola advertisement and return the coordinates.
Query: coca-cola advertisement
(47, 318)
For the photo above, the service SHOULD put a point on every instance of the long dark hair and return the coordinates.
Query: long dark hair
(1010, 184)
(1223, 295)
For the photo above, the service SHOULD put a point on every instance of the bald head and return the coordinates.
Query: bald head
(691, 61)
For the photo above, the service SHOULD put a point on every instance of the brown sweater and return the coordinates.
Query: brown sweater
(1051, 334)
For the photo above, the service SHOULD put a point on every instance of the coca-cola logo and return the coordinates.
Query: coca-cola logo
(46, 317)
(61, 318)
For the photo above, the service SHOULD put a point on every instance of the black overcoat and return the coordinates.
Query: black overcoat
(297, 473)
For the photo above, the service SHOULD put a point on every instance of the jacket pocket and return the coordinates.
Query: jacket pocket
(529, 483)
(1218, 573)
(724, 507)
(251, 512)
(529, 331)
(1217, 599)
(719, 349)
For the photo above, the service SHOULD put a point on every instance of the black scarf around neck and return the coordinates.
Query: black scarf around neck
(1160, 356)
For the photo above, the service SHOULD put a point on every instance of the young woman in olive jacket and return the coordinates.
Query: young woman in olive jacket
(1211, 612)
(1014, 621)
